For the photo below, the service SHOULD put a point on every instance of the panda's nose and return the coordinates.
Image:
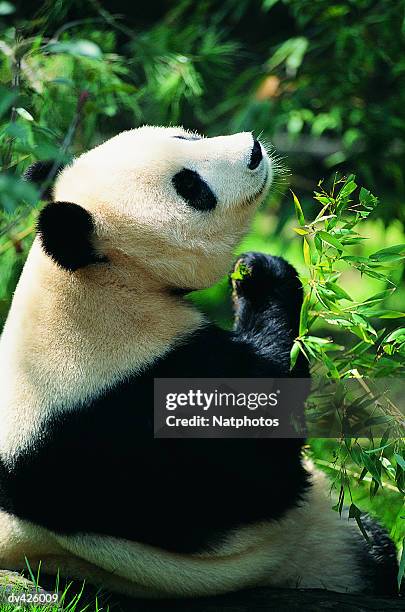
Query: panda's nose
(256, 155)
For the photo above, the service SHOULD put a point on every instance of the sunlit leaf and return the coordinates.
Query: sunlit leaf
(6, 8)
(295, 351)
(397, 335)
(298, 210)
(24, 114)
(85, 48)
(307, 252)
(326, 237)
(317, 340)
(300, 231)
(304, 315)
(347, 189)
(400, 460)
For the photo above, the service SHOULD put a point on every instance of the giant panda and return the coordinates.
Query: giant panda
(100, 311)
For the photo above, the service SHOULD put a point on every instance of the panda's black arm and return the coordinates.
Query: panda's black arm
(267, 304)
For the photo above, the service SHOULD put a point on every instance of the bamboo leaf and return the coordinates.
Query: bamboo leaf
(400, 460)
(396, 251)
(298, 210)
(317, 340)
(373, 451)
(307, 252)
(378, 420)
(355, 512)
(347, 189)
(362, 333)
(300, 231)
(386, 314)
(378, 296)
(341, 293)
(304, 315)
(398, 334)
(295, 351)
(327, 237)
(332, 369)
(372, 463)
(318, 244)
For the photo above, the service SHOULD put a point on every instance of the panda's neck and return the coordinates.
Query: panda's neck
(69, 336)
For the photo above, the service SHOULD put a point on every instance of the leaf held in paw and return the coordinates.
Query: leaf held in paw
(241, 271)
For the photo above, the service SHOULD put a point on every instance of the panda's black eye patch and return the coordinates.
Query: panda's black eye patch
(194, 190)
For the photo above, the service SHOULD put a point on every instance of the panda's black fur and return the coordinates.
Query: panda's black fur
(42, 173)
(379, 559)
(57, 224)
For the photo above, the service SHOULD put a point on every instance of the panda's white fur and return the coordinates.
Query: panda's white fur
(311, 547)
(68, 336)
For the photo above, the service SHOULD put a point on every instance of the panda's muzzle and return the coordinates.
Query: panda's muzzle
(256, 155)
(254, 196)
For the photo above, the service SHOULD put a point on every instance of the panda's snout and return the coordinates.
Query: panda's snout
(256, 155)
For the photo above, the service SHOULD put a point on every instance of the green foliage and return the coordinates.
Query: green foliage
(329, 251)
(357, 55)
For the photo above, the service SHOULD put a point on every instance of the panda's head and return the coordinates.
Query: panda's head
(162, 200)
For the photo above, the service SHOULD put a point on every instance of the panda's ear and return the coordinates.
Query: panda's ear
(43, 173)
(66, 231)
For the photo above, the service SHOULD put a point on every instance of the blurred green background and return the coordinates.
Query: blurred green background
(323, 81)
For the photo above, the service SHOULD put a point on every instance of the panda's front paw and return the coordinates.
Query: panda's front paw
(260, 278)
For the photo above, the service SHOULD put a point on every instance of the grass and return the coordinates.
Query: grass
(72, 598)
